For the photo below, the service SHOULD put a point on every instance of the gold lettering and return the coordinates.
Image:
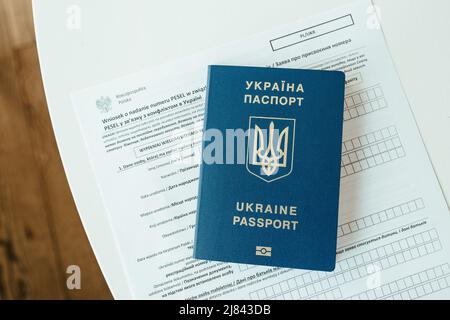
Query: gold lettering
(259, 208)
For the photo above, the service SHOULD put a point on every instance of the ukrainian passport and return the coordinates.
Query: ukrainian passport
(270, 172)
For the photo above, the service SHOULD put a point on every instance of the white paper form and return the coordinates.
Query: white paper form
(143, 135)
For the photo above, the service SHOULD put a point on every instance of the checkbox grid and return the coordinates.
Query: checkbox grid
(415, 286)
(380, 217)
(334, 294)
(371, 150)
(313, 283)
(245, 267)
(364, 102)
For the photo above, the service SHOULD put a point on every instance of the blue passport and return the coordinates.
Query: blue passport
(270, 172)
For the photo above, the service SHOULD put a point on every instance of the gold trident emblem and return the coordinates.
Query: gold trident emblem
(270, 158)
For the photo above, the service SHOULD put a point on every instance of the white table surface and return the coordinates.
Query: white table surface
(118, 37)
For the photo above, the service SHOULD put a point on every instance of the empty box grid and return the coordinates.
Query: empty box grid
(415, 286)
(328, 295)
(364, 102)
(370, 150)
(245, 267)
(384, 257)
(380, 217)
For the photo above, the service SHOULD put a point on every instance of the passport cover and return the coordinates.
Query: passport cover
(270, 175)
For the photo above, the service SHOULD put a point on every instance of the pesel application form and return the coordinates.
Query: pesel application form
(143, 135)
